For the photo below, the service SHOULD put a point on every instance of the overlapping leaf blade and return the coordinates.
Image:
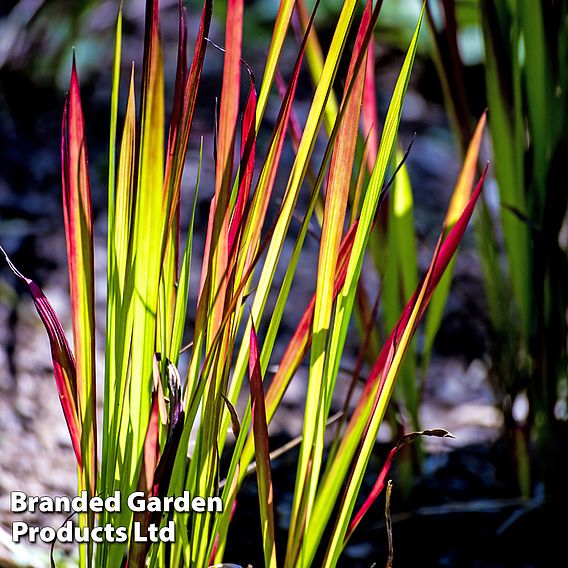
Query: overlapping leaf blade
(262, 453)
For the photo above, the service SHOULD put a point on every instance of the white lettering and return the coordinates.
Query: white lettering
(121, 534)
(198, 504)
(96, 505)
(214, 504)
(18, 501)
(79, 503)
(136, 502)
(19, 528)
(47, 534)
(168, 533)
(112, 503)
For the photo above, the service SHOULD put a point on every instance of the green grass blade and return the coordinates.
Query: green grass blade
(400, 279)
(363, 426)
(281, 24)
(184, 277)
(337, 194)
(346, 298)
(147, 236)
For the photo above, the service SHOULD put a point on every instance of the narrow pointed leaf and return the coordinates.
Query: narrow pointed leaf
(235, 422)
(215, 260)
(459, 199)
(337, 194)
(262, 453)
(400, 279)
(246, 170)
(381, 479)
(147, 235)
(185, 274)
(258, 209)
(315, 58)
(138, 549)
(369, 114)
(370, 410)
(62, 358)
(77, 215)
(285, 9)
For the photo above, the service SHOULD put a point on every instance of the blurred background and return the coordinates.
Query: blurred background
(496, 376)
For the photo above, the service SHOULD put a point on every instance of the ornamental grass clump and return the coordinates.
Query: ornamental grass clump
(150, 411)
(522, 245)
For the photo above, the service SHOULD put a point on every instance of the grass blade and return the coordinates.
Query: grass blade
(147, 237)
(380, 483)
(79, 236)
(62, 357)
(77, 214)
(372, 405)
(262, 453)
(334, 219)
(460, 196)
(137, 550)
(400, 279)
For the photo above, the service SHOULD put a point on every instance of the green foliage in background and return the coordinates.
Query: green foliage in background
(523, 247)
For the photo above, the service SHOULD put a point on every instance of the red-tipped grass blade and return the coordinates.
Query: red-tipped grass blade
(62, 357)
(381, 479)
(185, 98)
(262, 453)
(358, 439)
(181, 78)
(246, 171)
(440, 262)
(369, 114)
(215, 259)
(79, 237)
